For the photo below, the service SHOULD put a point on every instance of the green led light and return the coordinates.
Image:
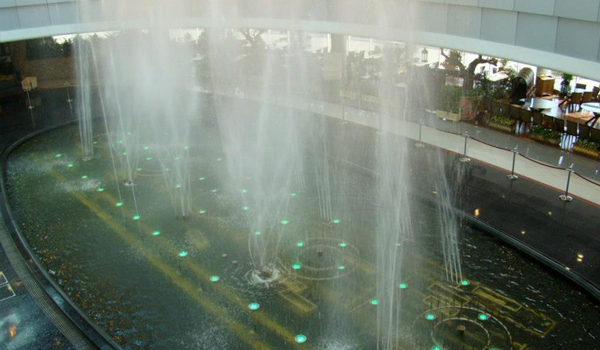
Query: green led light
(148, 158)
(374, 302)
(284, 222)
(482, 317)
(124, 153)
(178, 186)
(296, 266)
(219, 159)
(58, 155)
(398, 244)
(146, 148)
(119, 204)
(138, 169)
(253, 306)
(257, 233)
(120, 141)
(167, 169)
(341, 267)
(436, 348)
(430, 317)
(244, 190)
(293, 194)
(70, 165)
(136, 217)
(214, 190)
(336, 221)
(183, 253)
(156, 233)
(84, 177)
(100, 189)
(464, 283)
(244, 208)
(186, 148)
(343, 244)
(402, 285)
(95, 142)
(201, 179)
(202, 211)
(300, 338)
(300, 244)
(214, 278)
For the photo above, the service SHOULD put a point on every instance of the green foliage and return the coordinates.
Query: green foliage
(503, 120)
(453, 61)
(44, 48)
(588, 144)
(449, 98)
(545, 133)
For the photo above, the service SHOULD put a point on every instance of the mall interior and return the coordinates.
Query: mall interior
(307, 174)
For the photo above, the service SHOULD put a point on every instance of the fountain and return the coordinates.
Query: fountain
(236, 207)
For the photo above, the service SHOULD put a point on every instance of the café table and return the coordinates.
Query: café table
(593, 107)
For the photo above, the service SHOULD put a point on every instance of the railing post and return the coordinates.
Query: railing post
(464, 158)
(420, 144)
(512, 175)
(565, 197)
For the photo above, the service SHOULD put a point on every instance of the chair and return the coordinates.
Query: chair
(595, 92)
(513, 111)
(584, 131)
(559, 125)
(587, 97)
(571, 128)
(525, 115)
(575, 100)
(595, 134)
(580, 86)
(548, 119)
(537, 117)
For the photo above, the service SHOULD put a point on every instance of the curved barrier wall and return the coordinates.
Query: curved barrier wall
(557, 34)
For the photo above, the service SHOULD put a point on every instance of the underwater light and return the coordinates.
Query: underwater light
(136, 217)
(214, 190)
(178, 186)
(124, 153)
(436, 348)
(430, 317)
(84, 177)
(341, 267)
(300, 338)
(244, 208)
(120, 141)
(300, 244)
(156, 233)
(244, 190)
(482, 317)
(58, 155)
(398, 244)
(343, 244)
(336, 221)
(219, 159)
(296, 266)
(100, 189)
(146, 148)
(119, 204)
(201, 178)
(402, 285)
(183, 253)
(138, 169)
(374, 302)
(253, 306)
(148, 158)
(284, 222)
(70, 165)
(214, 278)
(464, 283)
(294, 194)
(257, 233)
(201, 211)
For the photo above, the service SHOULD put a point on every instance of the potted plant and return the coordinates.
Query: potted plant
(565, 85)
(545, 134)
(503, 123)
(449, 103)
(587, 148)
